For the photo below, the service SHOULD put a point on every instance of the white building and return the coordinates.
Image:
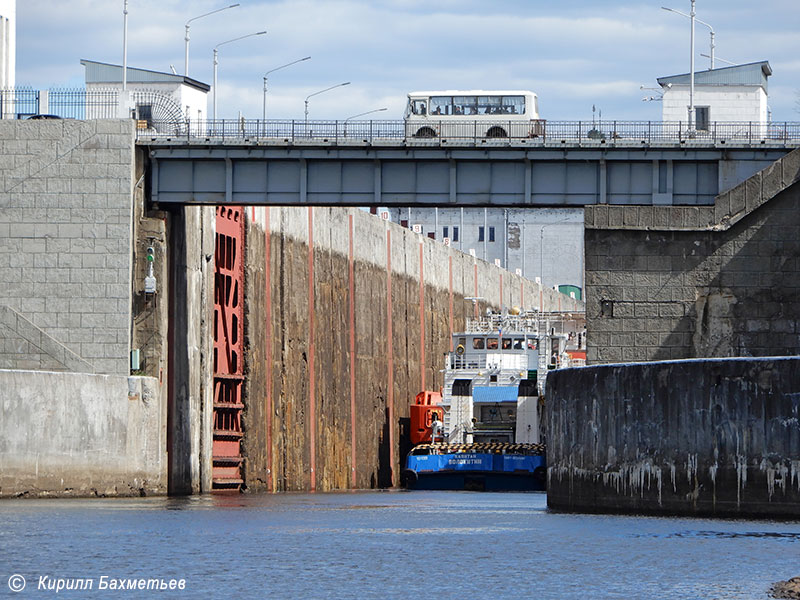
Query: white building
(176, 96)
(8, 43)
(729, 94)
(541, 242)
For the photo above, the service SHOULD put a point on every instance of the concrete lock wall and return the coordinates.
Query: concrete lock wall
(694, 437)
(75, 434)
(65, 245)
(340, 382)
(669, 282)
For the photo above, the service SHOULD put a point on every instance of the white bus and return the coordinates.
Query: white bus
(473, 114)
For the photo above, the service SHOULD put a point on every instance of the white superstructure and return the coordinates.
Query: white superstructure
(494, 378)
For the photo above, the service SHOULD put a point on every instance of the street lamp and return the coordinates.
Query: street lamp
(710, 28)
(125, 47)
(369, 112)
(186, 38)
(321, 92)
(294, 62)
(216, 62)
(691, 65)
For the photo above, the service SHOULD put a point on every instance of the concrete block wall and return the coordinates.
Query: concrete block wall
(65, 244)
(667, 282)
(693, 437)
(305, 426)
(77, 434)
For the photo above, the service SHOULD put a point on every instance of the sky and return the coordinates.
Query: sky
(575, 54)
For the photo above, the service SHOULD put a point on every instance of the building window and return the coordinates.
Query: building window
(491, 234)
(445, 231)
(455, 233)
(480, 234)
(702, 117)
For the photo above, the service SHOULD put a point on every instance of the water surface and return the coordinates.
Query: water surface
(388, 545)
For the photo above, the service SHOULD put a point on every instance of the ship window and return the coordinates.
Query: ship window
(531, 344)
(491, 343)
(461, 387)
(518, 343)
(477, 343)
(507, 343)
(527, 387)
(493, 378)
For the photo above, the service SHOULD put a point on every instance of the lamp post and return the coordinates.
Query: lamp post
(216, 62)
(294, 62)
(333, 87)
(691, 66)
(369, 112)
(710, 28)
(125, 47)
(186, 38)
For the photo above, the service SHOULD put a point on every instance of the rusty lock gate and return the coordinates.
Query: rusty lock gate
(228, 348)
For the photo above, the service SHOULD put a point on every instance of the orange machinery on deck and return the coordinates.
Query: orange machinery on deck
(423, 413)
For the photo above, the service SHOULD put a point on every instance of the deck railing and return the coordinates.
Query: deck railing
(600, 133)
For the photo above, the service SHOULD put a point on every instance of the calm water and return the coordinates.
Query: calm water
(388, 545)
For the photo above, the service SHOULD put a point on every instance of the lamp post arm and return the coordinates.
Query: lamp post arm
(186, 37)
(326, 90)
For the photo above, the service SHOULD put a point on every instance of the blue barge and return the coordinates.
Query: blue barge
(476, 467)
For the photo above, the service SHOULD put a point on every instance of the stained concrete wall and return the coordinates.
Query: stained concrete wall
(304, 427)
(696, 437)
(669, 282)
(65, 244)
(75, 434)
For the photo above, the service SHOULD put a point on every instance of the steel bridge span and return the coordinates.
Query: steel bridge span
(327, 168)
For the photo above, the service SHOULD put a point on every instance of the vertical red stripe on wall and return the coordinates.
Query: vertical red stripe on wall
(352, 319)
(311, 381)
(450, 287)
(390, 352)
(422, 366)
(268, 320)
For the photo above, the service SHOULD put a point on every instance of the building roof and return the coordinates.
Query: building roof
(749, 74)
(97, 72)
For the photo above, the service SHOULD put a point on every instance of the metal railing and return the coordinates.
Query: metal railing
(67, 103)
(479, 133)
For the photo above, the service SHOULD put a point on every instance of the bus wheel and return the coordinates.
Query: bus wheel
(425, 132)
(496, 132)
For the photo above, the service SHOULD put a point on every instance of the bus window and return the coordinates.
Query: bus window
(418, 107)
(513, 105)
(465, 105)
(517, 343)
(506, 343)
(441, 105)
(491, 343)
(531, 344)
(477, 343)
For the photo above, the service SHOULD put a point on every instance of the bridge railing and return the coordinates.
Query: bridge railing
(476, 133)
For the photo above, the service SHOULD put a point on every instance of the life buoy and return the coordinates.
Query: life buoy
(460, 349)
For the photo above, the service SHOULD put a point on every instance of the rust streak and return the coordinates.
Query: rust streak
(352, 318)
(390, 352)
(421, 317)
(311, 381)
(268, 321)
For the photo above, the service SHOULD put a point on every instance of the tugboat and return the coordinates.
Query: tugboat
(483, 431)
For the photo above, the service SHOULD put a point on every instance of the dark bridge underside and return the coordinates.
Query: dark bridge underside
(330, 175)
